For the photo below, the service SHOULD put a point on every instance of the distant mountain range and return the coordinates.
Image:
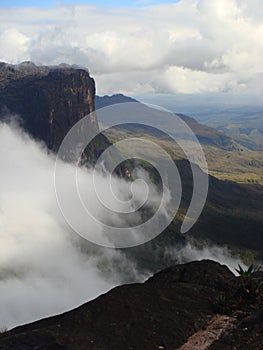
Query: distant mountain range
(238, 115)
(205, 134)
(245, 125)
(106, 100)
(227, 159)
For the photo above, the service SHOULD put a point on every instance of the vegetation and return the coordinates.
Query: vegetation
(223, 304)
(233, 163)
(250, 286)
(235, 208)
(246, 292)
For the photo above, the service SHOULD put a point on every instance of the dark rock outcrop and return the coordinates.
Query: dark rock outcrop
(161, 313)
(204, 273)
(48, 100)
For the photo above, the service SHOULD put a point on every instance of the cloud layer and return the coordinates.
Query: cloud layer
(44, 268)
(193, 46)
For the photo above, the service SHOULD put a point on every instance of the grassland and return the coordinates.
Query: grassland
(238, 164)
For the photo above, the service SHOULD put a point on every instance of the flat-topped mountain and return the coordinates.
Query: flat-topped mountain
(48, 100)
(10, 72)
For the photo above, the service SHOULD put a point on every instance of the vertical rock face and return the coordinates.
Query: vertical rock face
(49, 100)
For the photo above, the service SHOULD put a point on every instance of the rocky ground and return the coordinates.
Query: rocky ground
(197, 306)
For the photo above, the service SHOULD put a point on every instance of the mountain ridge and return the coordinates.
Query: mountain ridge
(227, 159)
(205, 134)
(162, 313)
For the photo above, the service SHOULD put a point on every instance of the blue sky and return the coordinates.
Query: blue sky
(49, 3)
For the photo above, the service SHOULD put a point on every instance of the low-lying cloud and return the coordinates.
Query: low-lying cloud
(220, 254)
(193, 46)
(44, 268)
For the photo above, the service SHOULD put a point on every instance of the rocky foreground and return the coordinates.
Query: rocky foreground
(196, 306)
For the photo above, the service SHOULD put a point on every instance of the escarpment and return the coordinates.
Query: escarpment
(47, 100)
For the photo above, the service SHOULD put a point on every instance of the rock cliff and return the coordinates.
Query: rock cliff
(48, 100)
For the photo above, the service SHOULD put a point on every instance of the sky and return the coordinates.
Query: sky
(108, 3)
(186, 46)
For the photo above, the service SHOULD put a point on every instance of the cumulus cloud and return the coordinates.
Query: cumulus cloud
(192, 46)
(14, 44)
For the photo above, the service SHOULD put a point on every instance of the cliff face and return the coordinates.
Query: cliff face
(49, 100)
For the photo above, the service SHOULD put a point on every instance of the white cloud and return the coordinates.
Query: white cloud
(44, 268)
(190, 46)
(14, 45)
(215, 253)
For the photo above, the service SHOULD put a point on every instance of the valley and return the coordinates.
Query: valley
(43, 105)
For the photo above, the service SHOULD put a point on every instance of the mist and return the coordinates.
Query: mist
(220, 254)
(45, 268)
